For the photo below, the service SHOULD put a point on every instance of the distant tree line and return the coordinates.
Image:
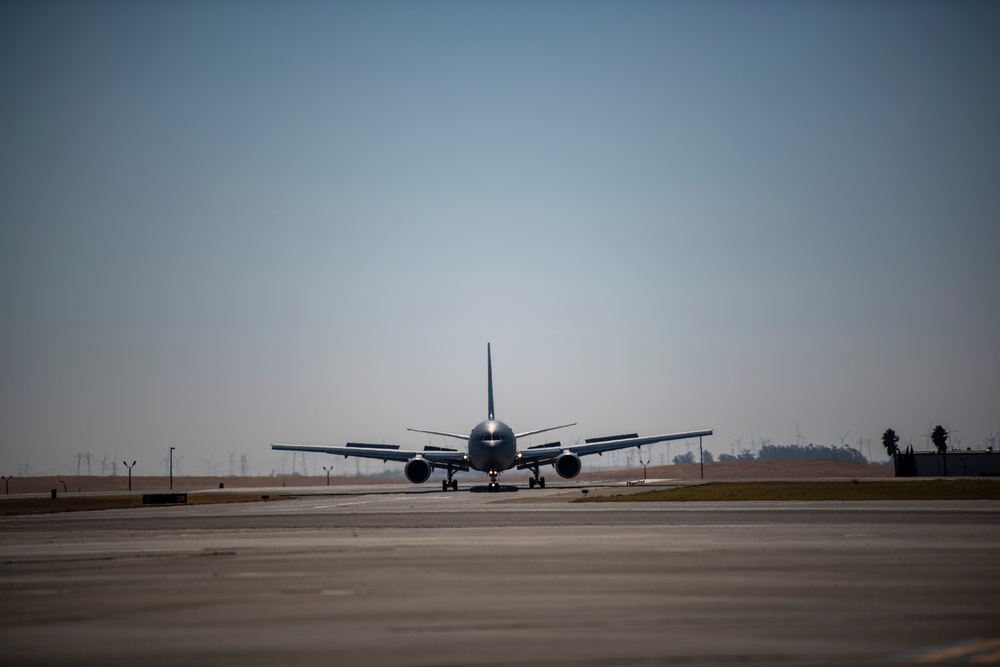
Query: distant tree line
(785, 452)
(810, 451)
(782, 452)
(689, 457)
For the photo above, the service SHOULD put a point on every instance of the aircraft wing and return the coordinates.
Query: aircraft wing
(438, 457)
(548, 453)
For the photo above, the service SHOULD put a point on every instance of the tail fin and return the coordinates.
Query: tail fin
(489, 378)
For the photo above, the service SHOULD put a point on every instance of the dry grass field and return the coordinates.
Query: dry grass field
(962, 488)
(729, 470)
(33, 504)
(31, 495)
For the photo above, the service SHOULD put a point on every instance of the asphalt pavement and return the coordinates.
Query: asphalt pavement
(391, 576)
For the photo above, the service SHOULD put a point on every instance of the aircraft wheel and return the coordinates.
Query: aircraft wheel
(541, 482)
(454, 485)
(531, 482)
(444, 485)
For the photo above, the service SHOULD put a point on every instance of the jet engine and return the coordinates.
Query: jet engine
(417, 470)
(568, 465)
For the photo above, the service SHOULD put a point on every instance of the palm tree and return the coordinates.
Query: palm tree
(939, 436)
(889, 441)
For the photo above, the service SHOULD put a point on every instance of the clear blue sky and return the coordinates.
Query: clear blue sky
(226, 224)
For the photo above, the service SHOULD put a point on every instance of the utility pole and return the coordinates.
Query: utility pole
(125, 463)
(171, 468)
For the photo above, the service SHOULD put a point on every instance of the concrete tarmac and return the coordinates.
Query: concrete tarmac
(410, 576)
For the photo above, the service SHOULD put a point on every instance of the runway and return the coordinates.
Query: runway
(406, 576)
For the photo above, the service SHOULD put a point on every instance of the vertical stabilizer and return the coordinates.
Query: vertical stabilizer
(489, 378)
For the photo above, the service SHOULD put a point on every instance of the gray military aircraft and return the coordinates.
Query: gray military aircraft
(491, 448)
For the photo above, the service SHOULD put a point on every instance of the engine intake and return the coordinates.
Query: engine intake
(568, 465)
(417, 470)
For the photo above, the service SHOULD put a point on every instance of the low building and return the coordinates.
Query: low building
(952, 464)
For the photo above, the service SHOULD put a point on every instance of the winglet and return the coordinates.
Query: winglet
(489, 378)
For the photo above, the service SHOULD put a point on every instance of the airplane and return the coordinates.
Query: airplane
(491, 448)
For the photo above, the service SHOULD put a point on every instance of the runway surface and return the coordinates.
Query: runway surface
(407, 576)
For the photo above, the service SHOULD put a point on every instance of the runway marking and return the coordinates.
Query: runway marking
(367, 502)
(340, 591)
(972, 651)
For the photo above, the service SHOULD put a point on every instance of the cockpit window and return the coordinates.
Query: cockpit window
(492, 437)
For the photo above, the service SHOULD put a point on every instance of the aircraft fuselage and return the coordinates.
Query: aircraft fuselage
(492, 446)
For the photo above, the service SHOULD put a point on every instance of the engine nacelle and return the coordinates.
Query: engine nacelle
(418, 470)
(568, 465)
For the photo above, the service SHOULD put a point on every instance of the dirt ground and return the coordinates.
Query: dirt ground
(729, 470)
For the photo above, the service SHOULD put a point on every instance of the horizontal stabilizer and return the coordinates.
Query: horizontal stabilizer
(542, 430)
(551, 444)
(444, 433)
(609, 438)
(534, 456)
(437, 459)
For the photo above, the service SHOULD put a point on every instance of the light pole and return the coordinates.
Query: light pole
(6, 483)
(125, 463)
(328, 474)
(64, 486)
(171, 468)
(645, 463)
(701, 455)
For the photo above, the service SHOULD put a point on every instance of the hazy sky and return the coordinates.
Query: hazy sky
(226, 224)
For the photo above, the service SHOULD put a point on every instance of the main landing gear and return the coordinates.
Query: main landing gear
(449, 483)
(536, 480)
